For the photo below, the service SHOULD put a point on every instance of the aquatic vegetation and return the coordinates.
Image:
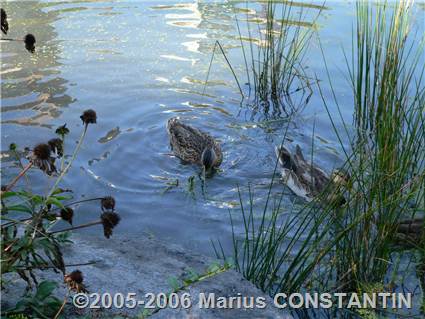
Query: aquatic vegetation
(276, 70)
(386, 157)
(28, 240)
(351, 247)
(275, 62)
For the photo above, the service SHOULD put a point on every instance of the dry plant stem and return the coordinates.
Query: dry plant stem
(39, 216)
(67, 205)
(10, 39)
(97, 222)
(217, 44)
(63, 155)
(62, 306)
(15, 180)
(79, 202)
(22, 167)
(65, 170)
(69, 265)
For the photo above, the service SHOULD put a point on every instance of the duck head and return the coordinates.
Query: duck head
(286, 159)
(208, 158)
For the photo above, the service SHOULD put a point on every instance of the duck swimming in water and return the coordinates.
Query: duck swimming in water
(193, 146)
(305, 179)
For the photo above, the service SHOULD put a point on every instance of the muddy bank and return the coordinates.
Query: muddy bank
(145, 265)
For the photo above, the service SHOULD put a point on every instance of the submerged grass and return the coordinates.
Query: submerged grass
(274, 59)
(275, 68)
(352, 247)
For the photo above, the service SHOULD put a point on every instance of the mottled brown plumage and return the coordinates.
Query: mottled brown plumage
(189, 144)
(305, 179)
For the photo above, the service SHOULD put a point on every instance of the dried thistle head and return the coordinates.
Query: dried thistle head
(4, 23)
(109, 221)
(74, 280)
(42, 151)
(56, 145)
(89, 117)
(41, 157)
(107, 203)
(29, 41)
(66, 214)
(62, 130)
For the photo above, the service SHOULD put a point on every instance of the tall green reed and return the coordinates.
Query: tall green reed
(350, 247)
(387, 152)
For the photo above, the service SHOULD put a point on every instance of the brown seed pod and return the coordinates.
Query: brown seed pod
(66, 214)
(89, 117)
(56, 145)
(76, 276)
(29, 41)
(4, 23)
(107, 203)
(109, 221)
(42, 152)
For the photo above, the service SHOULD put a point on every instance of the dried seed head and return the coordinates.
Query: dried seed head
(4, 23)
(89, 117)
(66, 214)
(109, 221)
(29, 40)
(56, 145)
(62, 130)
(42, 152)
(75, 276)
(41, 158)
(3, 188)
(107, 203)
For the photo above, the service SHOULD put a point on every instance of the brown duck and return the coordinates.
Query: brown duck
(193, 146)
(303, 178)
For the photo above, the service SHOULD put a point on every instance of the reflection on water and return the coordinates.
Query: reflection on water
(33, 91)
(138, 63)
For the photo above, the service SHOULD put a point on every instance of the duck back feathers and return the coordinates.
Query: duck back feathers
(188, 143)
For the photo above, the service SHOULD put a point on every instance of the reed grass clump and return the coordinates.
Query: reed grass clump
(387, 152)
(353, 246)
(274, 57)
(276, 67)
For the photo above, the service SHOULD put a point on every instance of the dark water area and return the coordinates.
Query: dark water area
(138, 63)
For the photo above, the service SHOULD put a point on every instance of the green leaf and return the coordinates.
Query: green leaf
(19, 208)
(61, 198)
(45, 289)
(54, 201)
(174, 283)
(8, 194)
(61, 191)
(213, 267)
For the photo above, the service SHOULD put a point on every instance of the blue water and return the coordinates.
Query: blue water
(138, 63)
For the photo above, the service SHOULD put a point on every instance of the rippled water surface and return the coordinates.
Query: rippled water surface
(138, 63)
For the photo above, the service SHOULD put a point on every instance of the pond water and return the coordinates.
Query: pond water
(138, 63)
